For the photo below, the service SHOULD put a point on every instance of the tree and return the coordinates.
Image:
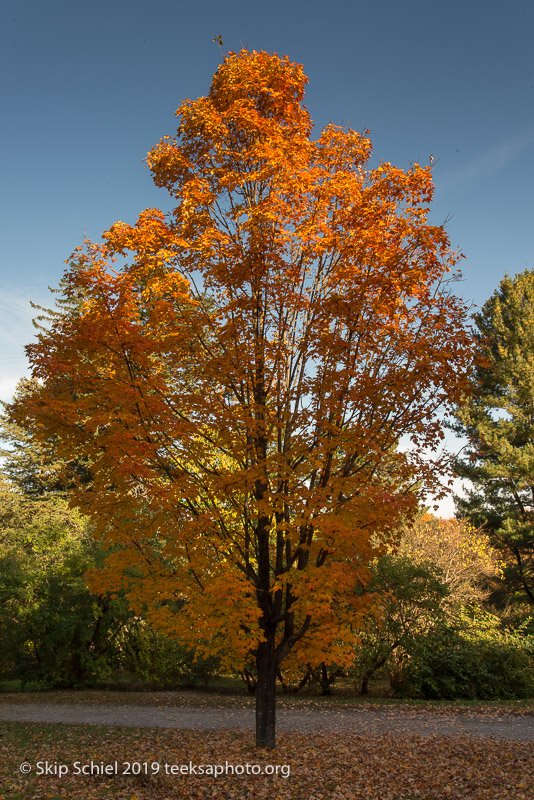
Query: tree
(498, 421)
(51, 628)
(241, 380)
(437, 569)
(467, 562)
(31, 466)
(412, 598)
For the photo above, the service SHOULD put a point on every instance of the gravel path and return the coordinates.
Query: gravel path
(365, 721)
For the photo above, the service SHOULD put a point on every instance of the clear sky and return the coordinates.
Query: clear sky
(89, 87)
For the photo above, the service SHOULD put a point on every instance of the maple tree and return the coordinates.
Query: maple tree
(239, 375)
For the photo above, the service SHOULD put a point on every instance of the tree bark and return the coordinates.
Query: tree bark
(267, 665)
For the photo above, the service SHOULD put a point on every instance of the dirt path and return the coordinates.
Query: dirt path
(395, 721)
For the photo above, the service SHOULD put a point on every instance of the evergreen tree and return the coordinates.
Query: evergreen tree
(498, 420)
(33, 466)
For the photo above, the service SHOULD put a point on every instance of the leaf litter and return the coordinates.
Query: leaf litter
(322, 765)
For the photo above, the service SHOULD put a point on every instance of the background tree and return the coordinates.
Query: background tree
(52, 630)
(241, 380)
(33, 466)
(498, 420)
(467, 562)
(411, 601)
(436, 571)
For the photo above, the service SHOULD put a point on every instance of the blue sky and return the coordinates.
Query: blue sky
(88, 88)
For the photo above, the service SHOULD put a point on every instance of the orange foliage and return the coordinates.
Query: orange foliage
(240, 385)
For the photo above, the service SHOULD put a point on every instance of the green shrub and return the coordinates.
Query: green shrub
(54, 633)
(410, 601)
(156, 661)
(457, 663)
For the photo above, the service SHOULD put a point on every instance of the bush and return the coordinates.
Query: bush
(454, 663)
(410, 600)
(156, 661)
(55, 633)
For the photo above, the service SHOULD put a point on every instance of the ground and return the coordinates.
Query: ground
(338, 750)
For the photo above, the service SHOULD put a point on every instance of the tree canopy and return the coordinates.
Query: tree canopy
(240, 373)
(498, 420)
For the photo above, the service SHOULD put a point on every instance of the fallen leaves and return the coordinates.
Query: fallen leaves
(233, 697)
(348, 767)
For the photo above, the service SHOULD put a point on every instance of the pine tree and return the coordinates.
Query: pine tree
(498, 420)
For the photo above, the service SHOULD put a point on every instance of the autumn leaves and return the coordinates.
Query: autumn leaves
(242, 383)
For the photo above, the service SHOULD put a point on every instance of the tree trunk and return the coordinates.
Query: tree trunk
(267, 665)
(326, 681)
